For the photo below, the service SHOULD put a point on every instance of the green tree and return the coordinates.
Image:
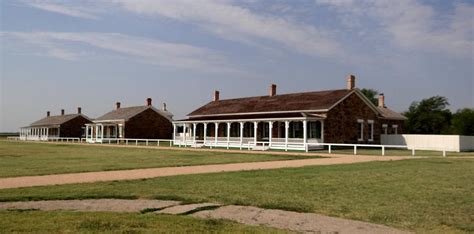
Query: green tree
(371, 94)
(429, 116)
(463, 122)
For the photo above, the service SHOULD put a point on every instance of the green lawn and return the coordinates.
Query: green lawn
(420, 195)
(103, 222)
(22, 159)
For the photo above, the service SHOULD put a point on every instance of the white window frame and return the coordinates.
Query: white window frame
(395, 129)
(371, 130)
(385, 128)
(361, 136)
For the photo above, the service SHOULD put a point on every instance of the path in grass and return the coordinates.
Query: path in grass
(89, 177)
(28, 159)
(294, 221)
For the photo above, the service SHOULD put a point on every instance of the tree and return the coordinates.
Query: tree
(430, 116)
(371, 94)
(463, 122)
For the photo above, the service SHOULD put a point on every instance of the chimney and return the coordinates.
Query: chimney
(164, 107)
(48, 113)
(273, 90)
(216, 96)
(118, 105)
(351, 82)
(62, 111)
(79, 110)
(148, 101)
(381, 100)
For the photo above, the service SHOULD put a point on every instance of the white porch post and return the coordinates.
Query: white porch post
(101, 131)
(174, 133)
(47, 133)
(287, 126)
(270, 133)
(228, 134)
(184, 134)
(255, 128)
(216, 125)
(87, 131)
(305, 135)
(205, 133)
(241, 134)
(194, 133)
(322, 131)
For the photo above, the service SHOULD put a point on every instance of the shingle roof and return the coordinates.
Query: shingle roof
(126, 113)
(55, 120)
(390, 114)
(287, 102)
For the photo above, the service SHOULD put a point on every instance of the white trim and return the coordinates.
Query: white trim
(395, 127)
(245, 120)
(371, 128)
(385, 128)
(359, 122)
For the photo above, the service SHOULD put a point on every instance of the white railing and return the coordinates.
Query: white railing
(135, 141)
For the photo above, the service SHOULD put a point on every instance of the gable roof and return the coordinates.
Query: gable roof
(55, 120)
(126, 113)
(309, 101)
(390, 114)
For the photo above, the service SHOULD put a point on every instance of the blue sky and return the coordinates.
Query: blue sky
(64, 54)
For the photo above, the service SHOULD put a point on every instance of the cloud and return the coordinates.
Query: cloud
(412, 25)
(233, 22)
(80, 12)
(141, 49)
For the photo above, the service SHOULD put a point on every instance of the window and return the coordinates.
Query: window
(314, 130)
(395, 129)
(360, 129)
(385, 129)
(371, 130)
(266, 130)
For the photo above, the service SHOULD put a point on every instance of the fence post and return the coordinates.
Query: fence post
(329, 149)
(136, 142)
(413, 152)
(444, 153)
(146, 142)
(383, 150)
(355, 149)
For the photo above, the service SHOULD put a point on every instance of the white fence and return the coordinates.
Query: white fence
(454, 143)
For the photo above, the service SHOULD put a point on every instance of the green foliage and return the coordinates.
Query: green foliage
(430, 116)
(371, 94)
(462, 122)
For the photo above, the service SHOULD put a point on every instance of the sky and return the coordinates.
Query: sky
(92, 53)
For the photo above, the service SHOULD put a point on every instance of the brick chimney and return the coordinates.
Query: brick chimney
(216, 96)
(148, 101)
(48, 113)
(62, 111)
(164, 107)
(351, 82)
(117, 105)
(273, 90)
(381, 100)
(79, 110)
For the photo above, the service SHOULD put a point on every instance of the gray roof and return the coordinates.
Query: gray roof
(55, 120)
(126, 113)
(390, 114)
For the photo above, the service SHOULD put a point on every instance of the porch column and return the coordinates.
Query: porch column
(205, 133)
(194, 132)
(322, 131)
(287, 126)
(305, 135)
(184, 134)
(270, 126)
(47, 132)
(174, 133)
(255, 128)
(96, 131)
(241, 134)
(228, 134)
(102, 131)
(87, 131)
(217, 131)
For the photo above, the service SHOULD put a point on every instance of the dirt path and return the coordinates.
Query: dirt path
(89, 177)
(294, 221)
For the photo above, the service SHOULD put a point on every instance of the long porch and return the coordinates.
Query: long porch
(98, 132)
(42, 133)
(257, 134)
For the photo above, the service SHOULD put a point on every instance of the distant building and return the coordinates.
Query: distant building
(288, 121)
(138, 122)
(64, 125)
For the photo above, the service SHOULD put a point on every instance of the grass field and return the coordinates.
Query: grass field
(22, 159)
(420, 195)
(103, 222)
